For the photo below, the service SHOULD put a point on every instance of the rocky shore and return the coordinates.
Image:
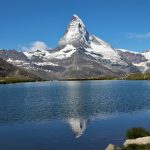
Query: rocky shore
(137, 139)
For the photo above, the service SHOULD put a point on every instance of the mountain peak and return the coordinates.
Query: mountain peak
(77, 19)
(76, 16)
(76, 33)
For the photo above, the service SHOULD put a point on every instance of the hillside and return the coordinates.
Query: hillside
(10, 74)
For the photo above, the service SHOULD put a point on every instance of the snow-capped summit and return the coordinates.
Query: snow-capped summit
(78, 36)
(76, 33)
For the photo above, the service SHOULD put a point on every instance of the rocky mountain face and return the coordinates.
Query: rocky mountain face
(9, 70)
(79, 55)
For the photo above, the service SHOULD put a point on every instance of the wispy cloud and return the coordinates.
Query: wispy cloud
(36, 45)
(139, 35)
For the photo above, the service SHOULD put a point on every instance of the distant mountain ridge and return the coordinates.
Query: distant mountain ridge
(79, 55)
(140, 60)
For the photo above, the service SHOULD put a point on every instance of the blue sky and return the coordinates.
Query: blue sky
(122, 23)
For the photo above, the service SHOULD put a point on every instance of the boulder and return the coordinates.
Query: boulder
(110, 147)
(138, 141)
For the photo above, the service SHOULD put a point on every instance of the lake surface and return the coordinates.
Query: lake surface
(72, 115)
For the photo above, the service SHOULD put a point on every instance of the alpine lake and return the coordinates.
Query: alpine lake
(71, 115)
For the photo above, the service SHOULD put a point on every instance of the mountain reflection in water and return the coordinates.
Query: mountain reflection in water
(77, 110)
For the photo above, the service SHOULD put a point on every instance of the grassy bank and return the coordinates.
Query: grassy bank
(93, 78)
(133, 76)
(137, 76)
(7, 80)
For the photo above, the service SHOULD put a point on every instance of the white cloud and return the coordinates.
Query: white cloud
(36, 45)
(139, 36)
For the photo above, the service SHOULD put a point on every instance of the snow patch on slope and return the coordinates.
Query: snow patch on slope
(18, 63)
(100, 47)
(64, 53)
(45, 64)
(93, 55)
(146, 55)
(125, 50)
(38, 53)
(142, 66)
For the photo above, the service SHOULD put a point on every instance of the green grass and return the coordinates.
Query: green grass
(133, 76)
(92, 78)
(134, 133)
(7, 80)
(137, 76)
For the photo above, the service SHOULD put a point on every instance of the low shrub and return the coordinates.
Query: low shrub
(134, 133)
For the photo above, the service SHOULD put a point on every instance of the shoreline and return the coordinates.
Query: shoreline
(12, 80)
(136, 77)
(3, 82)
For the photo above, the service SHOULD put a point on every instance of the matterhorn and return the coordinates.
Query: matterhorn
(78, 55)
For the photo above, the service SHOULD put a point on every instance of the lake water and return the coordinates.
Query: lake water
(71, 115)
